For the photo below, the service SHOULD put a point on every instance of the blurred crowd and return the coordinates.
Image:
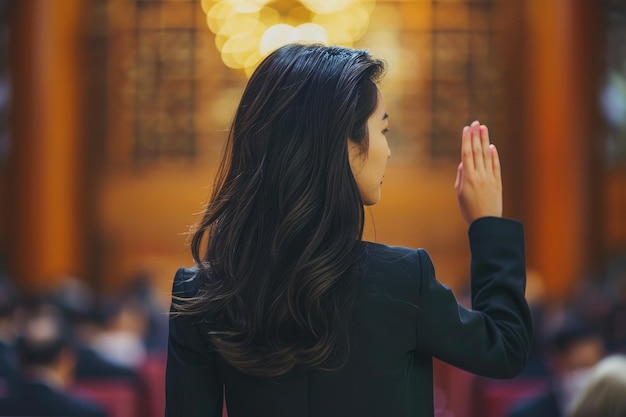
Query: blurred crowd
(50, 345)
(575, 343)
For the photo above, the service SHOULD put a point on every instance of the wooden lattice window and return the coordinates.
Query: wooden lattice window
(463, 72)
(444, 72)
(170, 92)
(164, 81)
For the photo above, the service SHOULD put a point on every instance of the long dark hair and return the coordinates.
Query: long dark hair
(278, 242)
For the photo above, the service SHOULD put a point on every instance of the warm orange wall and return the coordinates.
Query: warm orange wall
(614, 220)
(44, 214)
(142, 215)
(147, 216)
(560, 132)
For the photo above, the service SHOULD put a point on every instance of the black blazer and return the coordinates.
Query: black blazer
(91, 365)
(33, 398)
(403, 317)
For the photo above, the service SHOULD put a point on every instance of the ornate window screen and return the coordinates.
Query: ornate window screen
(171, 92)
(165, 84)
(463, 72)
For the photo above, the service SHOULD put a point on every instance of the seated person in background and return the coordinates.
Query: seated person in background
(605, 393)
(46, 366)
(572, 349)
(91, 363)
(8, 363)
(121, 339)
(89, 321)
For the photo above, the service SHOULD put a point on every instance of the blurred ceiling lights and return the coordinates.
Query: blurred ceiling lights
(247, 30)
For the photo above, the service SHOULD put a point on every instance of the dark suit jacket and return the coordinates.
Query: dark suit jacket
(32, 398)
(403, 317)
(90, 365)
(545, 405)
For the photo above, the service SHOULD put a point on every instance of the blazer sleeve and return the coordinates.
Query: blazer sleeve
(493, 338)
(193, 387)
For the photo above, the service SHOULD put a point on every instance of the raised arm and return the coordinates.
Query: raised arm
(492, 338)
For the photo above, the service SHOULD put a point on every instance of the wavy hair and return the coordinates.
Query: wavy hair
(278, 243)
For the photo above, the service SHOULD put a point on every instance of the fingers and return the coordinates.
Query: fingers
(459, 178)
(467, 158)
(477, 146)
(487, 157)
(495, 161)
(478, 181)
(476, 153)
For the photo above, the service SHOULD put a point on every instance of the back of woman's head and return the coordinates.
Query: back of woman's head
(296, 113)
(286, 217)
(605, 392)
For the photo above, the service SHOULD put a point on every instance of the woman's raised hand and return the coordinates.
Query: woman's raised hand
(478, 182)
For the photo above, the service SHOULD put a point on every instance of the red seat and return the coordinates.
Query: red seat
(119, 398)
(495, 398)
(152, 374)
(454, 390)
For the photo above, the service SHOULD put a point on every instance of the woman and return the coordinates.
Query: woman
(288, 312)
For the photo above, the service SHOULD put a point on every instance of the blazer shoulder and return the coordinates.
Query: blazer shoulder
(397, 269)
(408, 260)
(186, 282)
(387, 253)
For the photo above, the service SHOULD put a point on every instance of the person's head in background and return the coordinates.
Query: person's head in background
(121, 338)
(8, 306)
(573, 348)
(43, 347)
(306, 151)
(604, 395)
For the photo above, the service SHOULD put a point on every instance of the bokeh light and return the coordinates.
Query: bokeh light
(247, 30)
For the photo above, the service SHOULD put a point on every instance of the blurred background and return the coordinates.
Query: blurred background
(113, 114)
